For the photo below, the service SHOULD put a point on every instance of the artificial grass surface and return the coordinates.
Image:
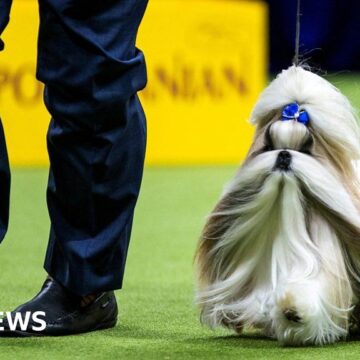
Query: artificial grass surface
(157, 317)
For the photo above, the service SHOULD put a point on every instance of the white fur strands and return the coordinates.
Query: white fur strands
(281, 250)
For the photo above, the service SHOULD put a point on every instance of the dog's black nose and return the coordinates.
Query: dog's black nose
(292, 315)
(283, 161)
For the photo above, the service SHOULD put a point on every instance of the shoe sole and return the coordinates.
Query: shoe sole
(19, 333)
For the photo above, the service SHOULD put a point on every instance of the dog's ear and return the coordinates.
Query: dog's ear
(214, 229)
(221, 219)
(347, 232)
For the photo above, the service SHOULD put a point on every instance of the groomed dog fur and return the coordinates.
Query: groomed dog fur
(281, 250)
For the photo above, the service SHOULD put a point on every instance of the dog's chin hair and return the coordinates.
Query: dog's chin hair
(268, 250)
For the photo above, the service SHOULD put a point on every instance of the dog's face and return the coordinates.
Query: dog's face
(281, 250)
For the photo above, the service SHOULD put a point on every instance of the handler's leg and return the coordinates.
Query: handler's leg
(4, 163)
(96, 141)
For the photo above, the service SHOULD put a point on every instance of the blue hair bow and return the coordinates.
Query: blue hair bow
(292, 112)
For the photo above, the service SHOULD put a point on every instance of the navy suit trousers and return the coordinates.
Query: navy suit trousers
(96, 140)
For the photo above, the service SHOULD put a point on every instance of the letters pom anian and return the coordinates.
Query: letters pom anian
(281, 250)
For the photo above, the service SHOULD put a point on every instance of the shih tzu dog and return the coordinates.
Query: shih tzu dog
(281, 250)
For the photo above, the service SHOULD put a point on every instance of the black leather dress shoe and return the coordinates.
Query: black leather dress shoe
(63, 313)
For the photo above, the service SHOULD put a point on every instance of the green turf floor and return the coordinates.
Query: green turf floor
(158, 319)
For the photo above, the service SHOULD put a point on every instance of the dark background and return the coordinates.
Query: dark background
(330, 33)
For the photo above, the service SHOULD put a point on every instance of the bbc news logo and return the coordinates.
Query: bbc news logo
(21, 321)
